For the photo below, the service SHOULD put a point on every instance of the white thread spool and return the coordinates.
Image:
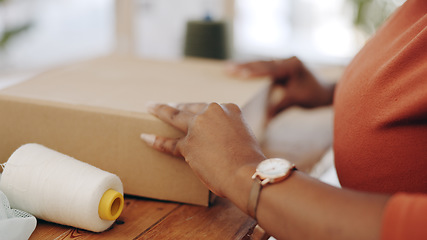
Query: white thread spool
(58, 188)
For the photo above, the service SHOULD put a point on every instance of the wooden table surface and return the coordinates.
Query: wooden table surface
(150, 219)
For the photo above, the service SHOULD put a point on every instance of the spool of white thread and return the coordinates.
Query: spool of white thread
(58, 188)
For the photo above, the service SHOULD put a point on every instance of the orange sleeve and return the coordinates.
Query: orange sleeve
(405, 217)
(380, 105)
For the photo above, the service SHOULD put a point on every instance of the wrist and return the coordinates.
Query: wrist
(269, 171)
(241, 185)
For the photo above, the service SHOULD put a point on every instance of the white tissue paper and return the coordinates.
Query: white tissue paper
(14, 224)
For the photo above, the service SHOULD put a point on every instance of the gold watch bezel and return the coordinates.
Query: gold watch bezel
(280, 171)
(262, 178)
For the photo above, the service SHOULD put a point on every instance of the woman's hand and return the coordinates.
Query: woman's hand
(223, 153)
(293, 84)
(217, 143)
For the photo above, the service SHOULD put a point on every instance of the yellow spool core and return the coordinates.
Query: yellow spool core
(111, 205)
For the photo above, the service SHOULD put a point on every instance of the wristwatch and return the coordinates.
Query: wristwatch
(271, 170)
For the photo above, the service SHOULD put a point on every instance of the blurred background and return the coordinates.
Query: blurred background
(36, 34)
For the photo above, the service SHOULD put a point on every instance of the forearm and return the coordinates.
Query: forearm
(305, 208)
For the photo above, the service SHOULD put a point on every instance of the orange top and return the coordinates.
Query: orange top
(380, 140)
(405, 217)
(381, 121)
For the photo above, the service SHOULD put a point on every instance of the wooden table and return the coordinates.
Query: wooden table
(150, 219)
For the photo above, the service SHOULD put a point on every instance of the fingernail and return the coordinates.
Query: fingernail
(174, 105)
(244, 73)
(150, 106)
(148, 138)
(231, 67)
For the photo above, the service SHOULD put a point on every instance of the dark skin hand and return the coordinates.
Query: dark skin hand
(223, 153)
(292, 84)
(221, 150)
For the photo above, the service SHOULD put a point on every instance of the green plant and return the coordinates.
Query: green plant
(9, 33)
(370, 14)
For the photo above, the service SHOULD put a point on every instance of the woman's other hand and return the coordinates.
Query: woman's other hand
(293, 84)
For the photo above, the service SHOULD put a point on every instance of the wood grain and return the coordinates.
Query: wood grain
(221, 221)
(148, 219)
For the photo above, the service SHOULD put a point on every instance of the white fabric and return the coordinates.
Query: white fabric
(14, 224)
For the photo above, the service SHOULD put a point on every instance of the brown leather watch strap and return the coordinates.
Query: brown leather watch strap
(254, 197)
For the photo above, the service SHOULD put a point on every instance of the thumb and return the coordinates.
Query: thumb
(162, 144)
(278, 100)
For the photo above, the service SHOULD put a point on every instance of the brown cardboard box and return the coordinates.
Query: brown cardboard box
(94, 111)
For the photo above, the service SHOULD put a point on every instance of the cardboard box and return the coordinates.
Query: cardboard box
(94, 111)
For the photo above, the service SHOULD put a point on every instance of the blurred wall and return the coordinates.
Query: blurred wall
(62, 31)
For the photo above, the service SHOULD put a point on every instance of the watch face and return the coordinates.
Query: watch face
(274, 168)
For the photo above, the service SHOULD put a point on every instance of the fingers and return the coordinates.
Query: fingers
(185, 116)
(177, 115)
(279, 99)
(177, 118)
(195, 108)
(274, 68)
(252, 69)
(162, 144)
